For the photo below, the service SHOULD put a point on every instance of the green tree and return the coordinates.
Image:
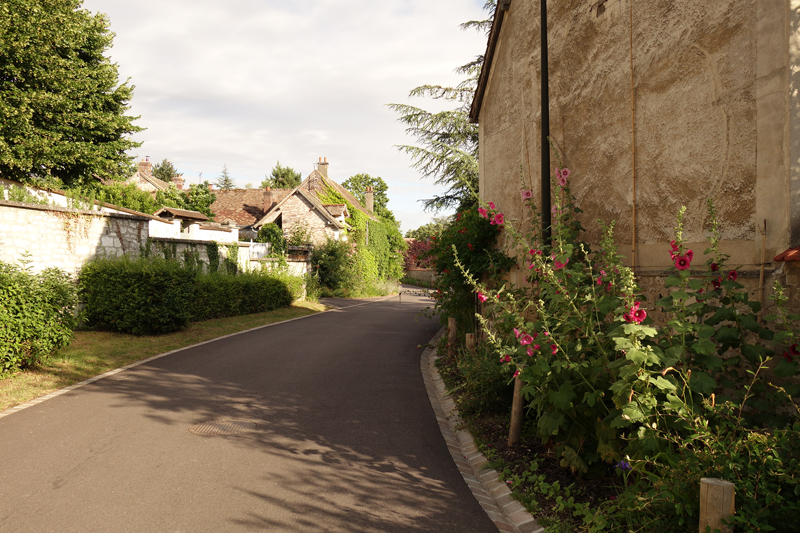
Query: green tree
(282, 178)
(447, 143)
(433, 228)
(165, 171)
(358, 186)
(62, 108)
(225, 181)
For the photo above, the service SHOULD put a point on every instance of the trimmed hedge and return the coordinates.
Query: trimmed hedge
(36, 317)
(149, 296)
(218, 296)
(138, 296)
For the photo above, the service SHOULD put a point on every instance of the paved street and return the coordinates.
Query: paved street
(344, 439)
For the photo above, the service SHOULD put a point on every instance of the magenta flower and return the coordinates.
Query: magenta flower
(682, 262)
(553, 348)
(565, 173)
(506, 359)
(482, 212)
(635, 314)
(536, 347)
(481, 297)
(690, 255)
(559, 265)
(732, 275)
(499, 219)
(562, 180)
(526, 195)
(516, 373)
(517, 332)
(674, 246)
(491, 206)
(530, 351)
(714, 267)
(525, 339)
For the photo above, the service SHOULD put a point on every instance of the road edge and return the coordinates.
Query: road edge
(492, 494)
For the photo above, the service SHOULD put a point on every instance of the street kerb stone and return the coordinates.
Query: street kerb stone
(492, 494)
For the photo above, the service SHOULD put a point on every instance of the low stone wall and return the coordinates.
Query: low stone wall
(422, 274)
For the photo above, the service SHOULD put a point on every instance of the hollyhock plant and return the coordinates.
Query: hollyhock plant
(525, 339)
(499, 219)
(682, 262)
(732, 275)
(482, 212)
(526, 195)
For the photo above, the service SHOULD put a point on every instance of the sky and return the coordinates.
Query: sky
(248, 83)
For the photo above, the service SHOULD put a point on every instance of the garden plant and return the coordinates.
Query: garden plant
(708, 392)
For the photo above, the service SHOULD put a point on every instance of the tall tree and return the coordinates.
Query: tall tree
(282, 178)
(433, 228)
(447, 143)
(62, 108)
(224, 181)
(358, 186)
(165, 171)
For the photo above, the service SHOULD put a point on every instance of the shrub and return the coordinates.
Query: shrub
(142, 296)
(272, 234)
(486, 386)
(333, 263)
(218, 296)
(36, 315)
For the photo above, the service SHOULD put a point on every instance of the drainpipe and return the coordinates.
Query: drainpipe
(546, 215)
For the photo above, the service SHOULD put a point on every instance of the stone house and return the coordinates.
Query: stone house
(143, 178)
(249, 209)
(653, 105)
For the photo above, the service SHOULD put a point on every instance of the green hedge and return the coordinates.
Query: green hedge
(139, 296)
(219, 295)
(148, 296)
(36, 315)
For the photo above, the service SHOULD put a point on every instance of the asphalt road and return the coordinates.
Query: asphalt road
(345, 438)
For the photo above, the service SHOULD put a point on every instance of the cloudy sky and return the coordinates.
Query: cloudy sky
(245, 83)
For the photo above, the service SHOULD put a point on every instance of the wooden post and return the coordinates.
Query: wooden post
(471, 343)
(516, 414)
(451, 337)
(716, 504)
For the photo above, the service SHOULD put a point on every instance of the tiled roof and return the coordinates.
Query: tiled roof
(244, 207)
(138, 177)
(180, 213)
(310, 198)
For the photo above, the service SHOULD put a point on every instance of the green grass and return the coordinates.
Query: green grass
(94, 352)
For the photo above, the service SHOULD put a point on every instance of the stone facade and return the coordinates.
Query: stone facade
(297, 210)
(654, 105)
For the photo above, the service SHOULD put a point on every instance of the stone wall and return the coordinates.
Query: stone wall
(422, 274)
(709, 90)
(297, 210)
(49, 236)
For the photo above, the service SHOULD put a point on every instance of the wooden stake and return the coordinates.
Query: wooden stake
(716, 504)
(451, 337)
(471, 343)
(516, 414)
(763, 264)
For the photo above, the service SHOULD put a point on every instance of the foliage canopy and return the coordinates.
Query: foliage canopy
(282, 178)
(62, 108)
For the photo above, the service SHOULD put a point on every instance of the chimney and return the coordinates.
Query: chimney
(145, 168)
(370, 200)
(178, 181)
(267, 199)
(323, 167)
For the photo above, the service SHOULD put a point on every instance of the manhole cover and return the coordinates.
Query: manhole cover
(226, 426)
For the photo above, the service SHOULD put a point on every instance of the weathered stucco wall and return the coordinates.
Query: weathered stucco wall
(298, 210)
(714, 118)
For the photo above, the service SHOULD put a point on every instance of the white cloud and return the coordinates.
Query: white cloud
(248, 82)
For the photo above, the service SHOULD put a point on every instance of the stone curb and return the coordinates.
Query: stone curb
(508, 514)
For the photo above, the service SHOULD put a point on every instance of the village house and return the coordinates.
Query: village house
(653, 105)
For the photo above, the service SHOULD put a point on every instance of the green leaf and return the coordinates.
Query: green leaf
(705, 331)
(672, 281)
(727, 335)
(702, 383)
(663, 384)
(632, 412)
(564, 397)
(785, 369)
(704, 347)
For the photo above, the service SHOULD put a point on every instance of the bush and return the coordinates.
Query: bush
(487, 386)
(36, 316)
(272, 234)
(142, 296)
(217, 296)
(333, 263)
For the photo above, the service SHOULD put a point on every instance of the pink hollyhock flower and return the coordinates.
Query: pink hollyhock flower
(546, 333)
(553, 348)
(536, 347)
(565, 172)
(526, 195)
(499, 219)
(732, 275)
(562, 180)
(482, 212)
(530, 351)
(682, 262)
(690, 255)
(600, 280)
(559, 265)
(714, 267)
(469, 245)
(506, 359)
(525, 339)
(517, 333)
(674, 246)
(635, 314)
(481, 297)
(491, 206)
(516, 373)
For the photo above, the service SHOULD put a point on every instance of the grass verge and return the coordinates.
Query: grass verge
(93, 352)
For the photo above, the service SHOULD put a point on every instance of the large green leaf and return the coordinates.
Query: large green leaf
(702, 383)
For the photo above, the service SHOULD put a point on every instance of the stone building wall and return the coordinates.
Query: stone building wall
(296, 210)
(709, 88)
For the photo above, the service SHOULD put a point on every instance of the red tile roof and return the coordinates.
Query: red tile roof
(244, 207)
